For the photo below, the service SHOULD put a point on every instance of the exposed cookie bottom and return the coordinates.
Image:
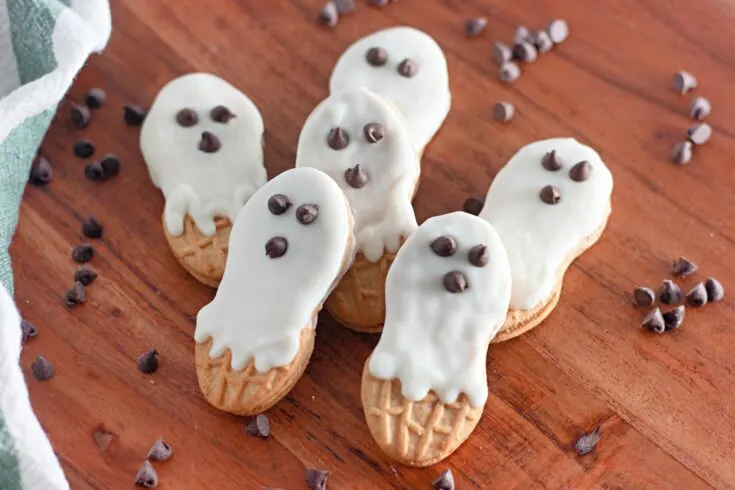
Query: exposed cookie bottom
(204, 257)
(415, 433)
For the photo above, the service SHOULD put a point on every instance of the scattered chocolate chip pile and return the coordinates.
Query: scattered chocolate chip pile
(92, 228)
(475, 27)
(503, 112)
(332, 10)
(445, 481)
(159, 451)
(147, 477)
(28, 330)
(42, 369)
(587, 443)
(148, 362)
(41, 172)
(317, 479)
(699, 108)
(670, 293)
(526, 47)
(259, 426)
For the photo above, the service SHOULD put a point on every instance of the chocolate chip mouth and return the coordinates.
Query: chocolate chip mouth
(209, 143)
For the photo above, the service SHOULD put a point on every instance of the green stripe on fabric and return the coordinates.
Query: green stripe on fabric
(16, 154)
(31, 29)
(9, 469)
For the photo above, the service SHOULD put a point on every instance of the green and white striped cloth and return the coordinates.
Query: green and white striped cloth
(43, 45)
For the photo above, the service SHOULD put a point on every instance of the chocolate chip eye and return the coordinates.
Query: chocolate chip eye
(479, 256)
(376, 56)
(356, 177)
(278, 204)
(550, 194)
(306, 214)
(373, 132)
(338, 139)
(581, 171)
(455, 282)
(187, 117)
(276, 247)
(551, 161)
(444, 246)
(221, 114)
(408, 68)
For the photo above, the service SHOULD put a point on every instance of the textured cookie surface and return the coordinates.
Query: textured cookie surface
(203, 256)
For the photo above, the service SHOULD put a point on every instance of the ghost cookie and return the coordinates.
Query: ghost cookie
(406, 67)
(290, 245)
(360, 141)
(424, 386)
(202, 142)
(549, 204)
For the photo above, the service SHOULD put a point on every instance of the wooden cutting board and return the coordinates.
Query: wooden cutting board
(666, 403)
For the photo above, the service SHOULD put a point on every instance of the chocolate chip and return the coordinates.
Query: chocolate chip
(502, 53)
(551, 161)
(92, 228)
(408, 68)
(683, 267)
(455, 282)
(376, 56)
(643, 296)
(80, 115)
(41, 171)
(683, 82)
(337, 139)
(558, 30)
(328, 15)
(682, 153)
(221, 114)
(697, 296)
(586, 444)
(444, 246)
(525, 51)
(76, 295)
(95, 98)
(259, 426)
(474, 27)
(700, 108)
(344, 6)
(473, 206)
(276, 247)
(28, 330)
(699, 133)
(654, 321)
(715, 291)
(445, 481)
(278, 204)
(160, 451)
(146, 476)
(379, 3)
(543, 42)
(373, 132)
(82, 253)
(85, 274)
(93, 171)
(306, 214)
(580, 171)
(479, 256)
(503, 111)
(550, 194)
(669, 293)
(674, 318)
(521, 35)
(187, 117)
(42, 369)
(110, 166)
(509, 72)
(317, 479)
(134, 115)
(209, 143)
(83, 149)
(356, 177)
(148, 362)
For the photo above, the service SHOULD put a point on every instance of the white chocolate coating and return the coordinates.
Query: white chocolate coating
(433, 339)
(382, 207)
(203, 185)
(539, 237)
(263, 303)
(423, 99)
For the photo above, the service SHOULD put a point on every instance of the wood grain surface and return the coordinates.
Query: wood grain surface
(666, 403)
